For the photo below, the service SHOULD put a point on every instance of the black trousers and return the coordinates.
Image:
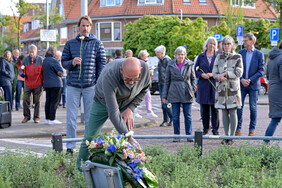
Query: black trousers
(206, 118)
(52, 100)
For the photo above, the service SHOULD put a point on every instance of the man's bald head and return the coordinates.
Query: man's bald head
(131, 69)
(131, 63)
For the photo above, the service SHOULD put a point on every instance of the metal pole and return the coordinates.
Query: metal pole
(57, 141)
(181, 15)
(47, 21)
(199, 140)
(84, 7)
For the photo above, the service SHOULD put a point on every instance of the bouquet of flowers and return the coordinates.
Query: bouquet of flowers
(123, 152)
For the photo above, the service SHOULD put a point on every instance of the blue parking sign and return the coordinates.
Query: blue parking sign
(218, 36)
(240, 31)
(274, 34)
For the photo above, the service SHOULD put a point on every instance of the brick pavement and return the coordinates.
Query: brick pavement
(262, 123)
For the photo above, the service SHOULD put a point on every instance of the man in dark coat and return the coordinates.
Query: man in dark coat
(84, 58)
(163, 62)
(274, 76)
(253, 61)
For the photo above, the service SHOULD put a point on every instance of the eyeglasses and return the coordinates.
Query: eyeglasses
(131, 79)
(226, 44)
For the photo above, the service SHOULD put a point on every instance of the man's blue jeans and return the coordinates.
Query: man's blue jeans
(64, 92)
(167, 113)
(8, 94)
(187, 109)
(272, 127)
(253, 98)
(19, 88)
(73, 100)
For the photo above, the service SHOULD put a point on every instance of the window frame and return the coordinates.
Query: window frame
(242, 4)
(74, 27)
(150, 3)
(187, 2)
(103, 3)
(98, 34)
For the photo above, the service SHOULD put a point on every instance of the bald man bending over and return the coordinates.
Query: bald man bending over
(121, 87)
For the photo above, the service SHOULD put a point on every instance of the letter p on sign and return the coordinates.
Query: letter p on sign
(274, 34)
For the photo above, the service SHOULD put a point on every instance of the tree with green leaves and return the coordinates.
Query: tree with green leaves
(150, 31)
(277, 5)
(233, 16)
(54, 19)
(14, 22)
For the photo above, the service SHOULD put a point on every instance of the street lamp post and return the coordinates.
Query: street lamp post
(47, 21)
(181, 16)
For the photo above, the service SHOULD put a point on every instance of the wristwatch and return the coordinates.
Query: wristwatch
(250, 80)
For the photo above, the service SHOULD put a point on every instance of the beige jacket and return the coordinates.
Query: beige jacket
(232, 64)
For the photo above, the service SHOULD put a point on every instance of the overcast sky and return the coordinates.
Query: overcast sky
(7, 4)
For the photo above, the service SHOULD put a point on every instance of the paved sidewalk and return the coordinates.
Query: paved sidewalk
(32, 130)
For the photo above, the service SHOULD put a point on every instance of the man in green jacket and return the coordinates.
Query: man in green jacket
(121, 87)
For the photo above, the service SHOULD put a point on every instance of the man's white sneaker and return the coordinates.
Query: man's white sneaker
(54, 122)
(152, 114)
(138, 115)
(47, 121)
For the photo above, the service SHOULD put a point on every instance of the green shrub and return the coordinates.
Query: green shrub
(226, 166)
(27, 169)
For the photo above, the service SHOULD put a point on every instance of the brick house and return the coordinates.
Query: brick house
(110, 16)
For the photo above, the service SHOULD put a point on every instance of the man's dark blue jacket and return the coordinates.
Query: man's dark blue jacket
(256, 69)
(93, 60)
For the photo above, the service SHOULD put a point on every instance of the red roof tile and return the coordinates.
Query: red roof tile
(170, 7)
(30, 34)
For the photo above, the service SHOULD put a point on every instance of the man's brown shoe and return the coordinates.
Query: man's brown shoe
(36, 120)
(252, 133)
(25, 120)
(238, 133)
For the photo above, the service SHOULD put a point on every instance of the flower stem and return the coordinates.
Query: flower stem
(81, 61)
(208, 78)
(226, 88)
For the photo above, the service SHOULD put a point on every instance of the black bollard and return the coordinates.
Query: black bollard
(57, 141)
(199, 141)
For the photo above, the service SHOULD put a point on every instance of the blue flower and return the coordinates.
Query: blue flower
(119, 136)
(136, 160)
(132, 165)
(140, 174)
(137, 177)
(136, 170)
(112, 148)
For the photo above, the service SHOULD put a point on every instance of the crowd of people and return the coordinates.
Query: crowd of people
(114, 88)
(31, 74)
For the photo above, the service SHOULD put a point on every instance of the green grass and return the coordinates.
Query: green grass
(235, 166)
(27, 169)
(240, 166)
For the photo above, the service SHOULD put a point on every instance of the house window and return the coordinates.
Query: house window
(150, 2)
(63, 35)
(187, 1)
(110, 3)
(109, 31)
(38, 46)
(35, 24)
(243, 3)
(203, 2)
(27, 27)
(74, 31)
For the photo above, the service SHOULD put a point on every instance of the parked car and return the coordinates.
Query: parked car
(154, 82)
(264, 86)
